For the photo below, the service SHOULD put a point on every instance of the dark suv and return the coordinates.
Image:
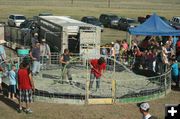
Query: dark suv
(93, 21)
(109, 20)
(124, 23)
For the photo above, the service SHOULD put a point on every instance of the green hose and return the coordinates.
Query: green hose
(62, 73)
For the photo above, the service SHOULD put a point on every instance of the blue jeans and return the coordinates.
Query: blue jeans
(36, 67)
(176, 80)
(92, 77)
(3, 64)
(43, 61)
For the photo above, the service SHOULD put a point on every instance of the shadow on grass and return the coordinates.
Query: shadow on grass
(9, 102)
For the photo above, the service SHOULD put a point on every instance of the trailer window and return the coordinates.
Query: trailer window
(73, 44)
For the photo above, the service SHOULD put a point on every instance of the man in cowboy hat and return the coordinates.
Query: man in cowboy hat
(44, 53)
(34, 39)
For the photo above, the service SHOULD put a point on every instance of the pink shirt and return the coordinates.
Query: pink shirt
(125, 46)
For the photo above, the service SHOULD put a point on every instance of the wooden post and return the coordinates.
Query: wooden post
(72, 1)
(109, 3)
(113, 91)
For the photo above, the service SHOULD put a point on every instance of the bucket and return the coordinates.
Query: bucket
(9, 66)
(23, 52)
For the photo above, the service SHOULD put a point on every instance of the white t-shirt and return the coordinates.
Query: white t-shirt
(147, 116)
(117, 47)
(45, 50)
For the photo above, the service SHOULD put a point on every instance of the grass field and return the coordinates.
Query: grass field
(80, 8)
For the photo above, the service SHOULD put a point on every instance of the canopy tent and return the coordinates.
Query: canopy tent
(154, 26)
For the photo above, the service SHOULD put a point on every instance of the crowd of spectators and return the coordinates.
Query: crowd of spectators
(152, 53)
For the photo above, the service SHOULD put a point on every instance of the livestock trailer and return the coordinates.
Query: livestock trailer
(63, 32)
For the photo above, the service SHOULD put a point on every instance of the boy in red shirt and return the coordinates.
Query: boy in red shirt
(97, 65)
(26, 85)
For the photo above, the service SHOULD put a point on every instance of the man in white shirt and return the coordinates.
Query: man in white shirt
(117, 48)
(144, 109)
(44, 53)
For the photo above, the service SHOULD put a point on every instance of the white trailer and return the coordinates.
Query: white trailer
(63, 32)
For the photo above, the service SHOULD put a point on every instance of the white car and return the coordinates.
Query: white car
(16, 20)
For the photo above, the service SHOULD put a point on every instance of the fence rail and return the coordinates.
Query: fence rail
(117, 87)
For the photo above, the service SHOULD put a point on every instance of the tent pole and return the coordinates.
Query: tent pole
(130, 41)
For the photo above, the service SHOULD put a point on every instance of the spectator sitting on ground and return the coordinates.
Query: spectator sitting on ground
(12, 82)
(144, 109)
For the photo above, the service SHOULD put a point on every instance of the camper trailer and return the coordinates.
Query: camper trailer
(63, 32)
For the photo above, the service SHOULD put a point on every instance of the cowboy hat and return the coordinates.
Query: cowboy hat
(2, 41)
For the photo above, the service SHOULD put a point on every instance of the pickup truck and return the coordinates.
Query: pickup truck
(143, 19)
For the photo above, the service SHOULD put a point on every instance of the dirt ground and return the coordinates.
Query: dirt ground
(65, 111)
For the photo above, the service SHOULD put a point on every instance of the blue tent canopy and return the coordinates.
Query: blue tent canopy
(154, 26)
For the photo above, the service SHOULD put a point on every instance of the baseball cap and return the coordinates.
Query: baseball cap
(144, 106)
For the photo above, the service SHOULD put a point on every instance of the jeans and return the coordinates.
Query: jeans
(3, 64)
(36, 67)
(43, 61)
(66, 73)
(176, 80)
(92, 77)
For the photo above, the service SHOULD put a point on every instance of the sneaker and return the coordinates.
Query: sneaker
(28, 111)
(20, 110)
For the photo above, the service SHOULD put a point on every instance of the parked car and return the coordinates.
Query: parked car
(93, 21)
(124, 23)
(143, 19)
(16, 20)
(176, 20)
(45, 14)
(26, 23)
(29, 26)
(109, 20)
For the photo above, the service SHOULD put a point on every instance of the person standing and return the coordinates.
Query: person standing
(44, 53)
(26, 88)
(2, 60)
(35, 56)
(34, 40)
(64, 59)
(97, 65)
(175, 72)
(117, 48)
(2, 54)
(144, 109)
(12, 82)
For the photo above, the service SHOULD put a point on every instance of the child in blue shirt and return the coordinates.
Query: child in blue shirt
(12, 82)
(175, 72)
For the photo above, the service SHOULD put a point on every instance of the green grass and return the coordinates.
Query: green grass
(80, 8)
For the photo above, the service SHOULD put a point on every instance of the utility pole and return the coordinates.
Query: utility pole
(109, 3)
(72, 2)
